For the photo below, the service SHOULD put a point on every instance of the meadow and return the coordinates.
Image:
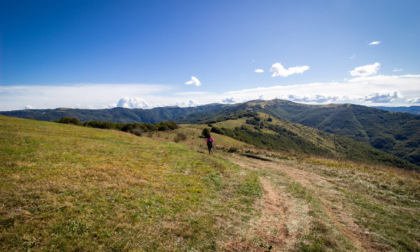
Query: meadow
(66, 187)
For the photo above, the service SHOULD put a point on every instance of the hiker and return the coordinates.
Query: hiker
(210, 141)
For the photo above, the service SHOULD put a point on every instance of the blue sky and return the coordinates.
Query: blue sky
(102, 54)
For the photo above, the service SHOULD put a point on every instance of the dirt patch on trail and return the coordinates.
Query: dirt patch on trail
(278, 225)
(330, 198)
(332, 204)
(282, 221)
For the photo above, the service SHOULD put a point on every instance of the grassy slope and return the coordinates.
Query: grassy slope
(74, 188)
(378, 205)
(68, 187)
(383, 201)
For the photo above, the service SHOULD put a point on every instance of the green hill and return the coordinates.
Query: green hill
(391, 132)
(263, 131)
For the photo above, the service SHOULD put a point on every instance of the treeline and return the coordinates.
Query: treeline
(232, 116)
(134, 128)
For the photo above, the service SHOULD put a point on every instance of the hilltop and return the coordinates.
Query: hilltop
(69, 187)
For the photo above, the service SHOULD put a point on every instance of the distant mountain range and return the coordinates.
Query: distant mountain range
(119, 115)
(393, 132)
(415, 110)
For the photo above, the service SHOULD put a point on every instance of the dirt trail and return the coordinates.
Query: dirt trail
(275, 225)
(278, 227)
(330, 198)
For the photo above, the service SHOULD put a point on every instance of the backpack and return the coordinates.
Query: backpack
(210, 142)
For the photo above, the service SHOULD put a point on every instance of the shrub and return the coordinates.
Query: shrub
(68, 120)
(137, 132)
(233, 149)
(162, 126)
(180, 137)
(217, 130)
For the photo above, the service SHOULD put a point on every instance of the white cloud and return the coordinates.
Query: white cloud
(382, 97)
(259, 70)
(232, 100)
(365, 70)
(194, 81)
(413, 100)
(135, 102)
(397, 70)
(375, 42)
(75, 96)
(28, 107)
(378, 89)
(188, 103)
(353, 56)
(318, 98)
(279, 70)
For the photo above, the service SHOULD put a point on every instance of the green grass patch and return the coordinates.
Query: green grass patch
(64, 187)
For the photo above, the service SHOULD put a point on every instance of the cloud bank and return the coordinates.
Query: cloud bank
(279, 70)
(390, 90)
(94, 96)
(379, 90)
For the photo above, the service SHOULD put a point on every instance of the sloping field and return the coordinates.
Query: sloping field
(65, 187)
(317, 204)
(324, 205)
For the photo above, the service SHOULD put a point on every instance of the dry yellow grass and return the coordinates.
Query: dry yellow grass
(66, 187)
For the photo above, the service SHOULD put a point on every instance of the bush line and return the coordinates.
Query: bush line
(134, 128)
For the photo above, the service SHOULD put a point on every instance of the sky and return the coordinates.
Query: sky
(100, 54)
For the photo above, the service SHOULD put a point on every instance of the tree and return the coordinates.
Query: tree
(206, 133)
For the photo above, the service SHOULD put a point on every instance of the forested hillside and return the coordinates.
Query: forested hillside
(118, 115)
(263, 131)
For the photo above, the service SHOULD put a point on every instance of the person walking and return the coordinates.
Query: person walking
(210, 142)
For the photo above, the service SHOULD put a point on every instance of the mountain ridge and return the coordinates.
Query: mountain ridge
(393, 132)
